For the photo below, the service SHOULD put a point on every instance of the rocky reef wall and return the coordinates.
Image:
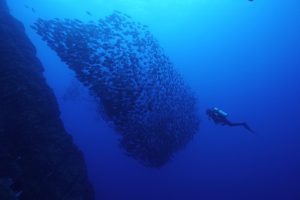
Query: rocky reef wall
(38, 159)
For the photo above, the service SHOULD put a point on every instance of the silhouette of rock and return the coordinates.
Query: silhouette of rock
(38, 159)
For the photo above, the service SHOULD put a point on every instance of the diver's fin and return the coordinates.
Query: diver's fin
(248, 128)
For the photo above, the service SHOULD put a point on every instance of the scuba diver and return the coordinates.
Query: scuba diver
(220, 117)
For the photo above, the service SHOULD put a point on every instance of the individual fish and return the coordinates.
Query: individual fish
(88, 13)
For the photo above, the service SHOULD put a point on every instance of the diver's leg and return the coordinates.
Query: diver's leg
(229, 123)
(245, 125)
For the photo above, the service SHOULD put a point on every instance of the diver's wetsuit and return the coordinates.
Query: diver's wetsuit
(219, 118)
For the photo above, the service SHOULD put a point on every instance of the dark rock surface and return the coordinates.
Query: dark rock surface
(38, 160)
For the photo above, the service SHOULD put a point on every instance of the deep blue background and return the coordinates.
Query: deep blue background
(238, 55)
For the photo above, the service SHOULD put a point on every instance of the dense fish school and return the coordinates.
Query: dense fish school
(133, 81)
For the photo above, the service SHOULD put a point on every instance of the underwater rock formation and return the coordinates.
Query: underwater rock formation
(38, 160)
(134, 82)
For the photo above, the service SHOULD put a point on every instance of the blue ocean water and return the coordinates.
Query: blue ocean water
(241, 56)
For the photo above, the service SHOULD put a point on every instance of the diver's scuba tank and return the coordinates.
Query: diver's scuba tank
(221, 112)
